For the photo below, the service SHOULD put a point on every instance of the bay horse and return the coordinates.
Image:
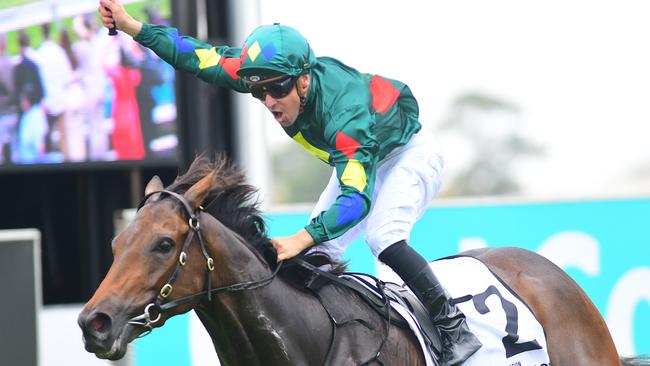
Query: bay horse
(206, 228)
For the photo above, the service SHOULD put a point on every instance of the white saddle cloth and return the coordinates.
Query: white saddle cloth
(510, 333)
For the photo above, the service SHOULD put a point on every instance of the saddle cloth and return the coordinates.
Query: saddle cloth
(510, 333)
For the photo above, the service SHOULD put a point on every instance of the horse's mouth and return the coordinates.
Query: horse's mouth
(118, 347)
(115, 353)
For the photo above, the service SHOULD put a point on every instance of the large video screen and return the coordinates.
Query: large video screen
(71, 95)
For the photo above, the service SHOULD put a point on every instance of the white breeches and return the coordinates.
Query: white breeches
(406, 181)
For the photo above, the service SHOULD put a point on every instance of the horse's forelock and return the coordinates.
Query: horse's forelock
(231, 200)
(227, 175)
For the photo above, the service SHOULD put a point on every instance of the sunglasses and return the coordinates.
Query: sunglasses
(276, 89)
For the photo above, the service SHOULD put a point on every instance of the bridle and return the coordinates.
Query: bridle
(160, 303)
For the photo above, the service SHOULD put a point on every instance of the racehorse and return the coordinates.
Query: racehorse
(206, 228)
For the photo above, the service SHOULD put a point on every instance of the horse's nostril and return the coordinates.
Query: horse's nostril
(100, 323)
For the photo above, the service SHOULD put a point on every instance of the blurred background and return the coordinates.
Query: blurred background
(539, 107)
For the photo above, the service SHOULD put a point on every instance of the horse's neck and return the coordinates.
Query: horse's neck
(244, 325)
(242, 332)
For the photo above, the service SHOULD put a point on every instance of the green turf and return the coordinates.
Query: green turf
(9, 3)
(136, 9)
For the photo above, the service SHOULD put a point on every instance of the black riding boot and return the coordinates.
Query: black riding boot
(458, 342)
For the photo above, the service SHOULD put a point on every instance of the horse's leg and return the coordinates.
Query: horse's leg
(576, 333)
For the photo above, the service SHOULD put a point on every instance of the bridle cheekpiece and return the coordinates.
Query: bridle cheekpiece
(160, 304)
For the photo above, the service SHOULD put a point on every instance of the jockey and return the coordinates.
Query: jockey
(365, 126)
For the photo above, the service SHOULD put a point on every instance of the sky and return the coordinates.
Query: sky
(579, 71)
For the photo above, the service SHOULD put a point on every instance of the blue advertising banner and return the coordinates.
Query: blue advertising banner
(603, 244)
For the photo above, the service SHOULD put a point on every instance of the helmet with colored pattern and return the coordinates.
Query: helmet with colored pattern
(273, 50)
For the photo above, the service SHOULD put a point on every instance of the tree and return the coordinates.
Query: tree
(485, 131)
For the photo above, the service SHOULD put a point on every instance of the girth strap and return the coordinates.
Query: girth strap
(385, 306)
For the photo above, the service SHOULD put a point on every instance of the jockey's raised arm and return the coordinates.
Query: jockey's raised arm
(217, 65)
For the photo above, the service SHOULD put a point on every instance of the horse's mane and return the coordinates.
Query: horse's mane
(234, 203)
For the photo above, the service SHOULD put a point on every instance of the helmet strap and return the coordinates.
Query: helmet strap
(303, 98)
(303, 101)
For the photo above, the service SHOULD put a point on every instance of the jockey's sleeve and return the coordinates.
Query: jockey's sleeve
(354, 155)
(215, 65)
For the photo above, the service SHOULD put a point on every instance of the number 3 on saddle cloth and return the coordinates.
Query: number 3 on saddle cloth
(510, 333)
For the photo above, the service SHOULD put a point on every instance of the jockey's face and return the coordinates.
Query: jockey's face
(286, 109)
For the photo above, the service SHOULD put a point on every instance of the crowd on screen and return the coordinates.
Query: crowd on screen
(97, 98)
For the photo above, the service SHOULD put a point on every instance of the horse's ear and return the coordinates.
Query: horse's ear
(154, 185)
(198, 192)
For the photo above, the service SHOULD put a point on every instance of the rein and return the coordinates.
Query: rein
(159, 305)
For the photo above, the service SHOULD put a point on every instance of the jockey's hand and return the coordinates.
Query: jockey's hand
(290, 246)
(112, 11)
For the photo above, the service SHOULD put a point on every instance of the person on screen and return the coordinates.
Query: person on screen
(25, 73)
(8, 109)
(32, 127)
(89, 50)
(57, 74)
(75, 99)
(127, 133)
(366, 126)
(145, 61)
(6, 78)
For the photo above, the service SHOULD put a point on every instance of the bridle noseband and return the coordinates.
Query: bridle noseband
(159, 305)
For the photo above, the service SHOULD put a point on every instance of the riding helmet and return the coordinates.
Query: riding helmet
(272, 50)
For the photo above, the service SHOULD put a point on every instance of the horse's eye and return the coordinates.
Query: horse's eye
(164, 246)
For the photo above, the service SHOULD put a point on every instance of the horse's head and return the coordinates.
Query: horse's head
(148, 255)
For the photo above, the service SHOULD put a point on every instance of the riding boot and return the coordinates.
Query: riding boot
(458, 342)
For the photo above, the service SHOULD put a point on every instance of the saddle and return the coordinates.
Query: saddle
(470, 284)
(382, 298)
